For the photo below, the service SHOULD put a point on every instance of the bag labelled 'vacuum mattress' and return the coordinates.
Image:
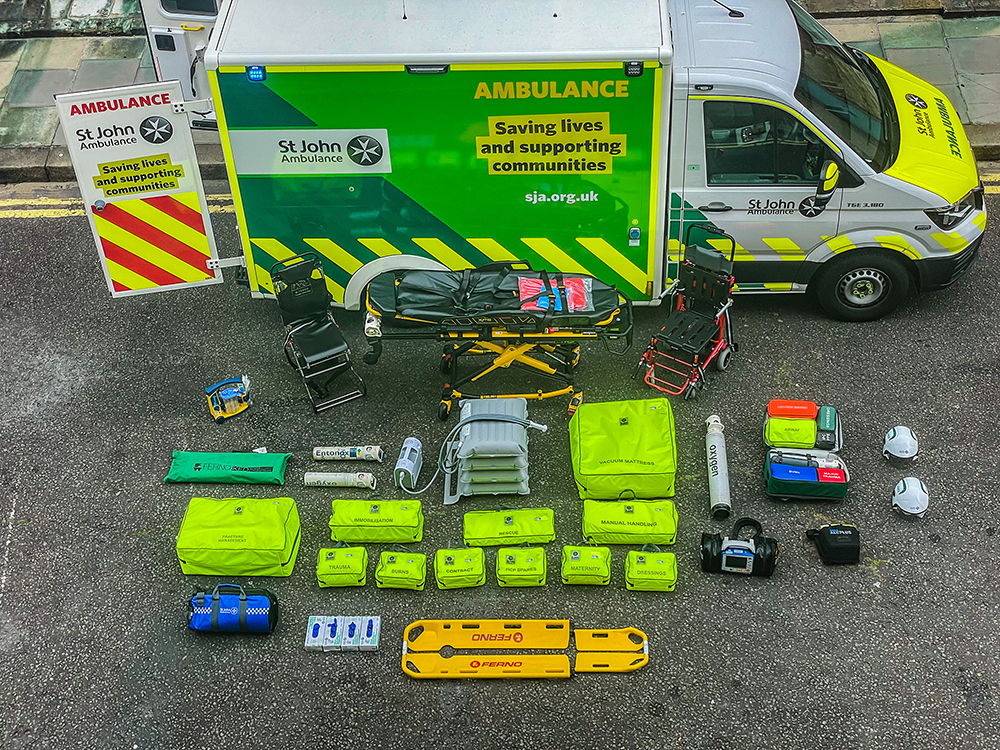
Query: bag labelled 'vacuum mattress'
(624, 449)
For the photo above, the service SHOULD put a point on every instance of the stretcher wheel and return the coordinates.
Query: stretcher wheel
(370, 358)
(722, 359)
(444, 409)
(690, 392)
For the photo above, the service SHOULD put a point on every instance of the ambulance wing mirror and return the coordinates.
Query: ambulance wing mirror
(829, 177)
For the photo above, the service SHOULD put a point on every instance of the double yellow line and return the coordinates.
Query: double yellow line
(992, 182)
(58, 208)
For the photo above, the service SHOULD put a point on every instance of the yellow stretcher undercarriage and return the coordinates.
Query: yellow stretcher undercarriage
(597, 650)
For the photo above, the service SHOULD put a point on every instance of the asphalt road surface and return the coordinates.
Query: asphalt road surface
(897, 652)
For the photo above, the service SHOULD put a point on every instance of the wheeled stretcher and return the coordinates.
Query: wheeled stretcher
(507, 312)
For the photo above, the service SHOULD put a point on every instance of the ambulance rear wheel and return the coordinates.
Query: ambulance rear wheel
(862, 285)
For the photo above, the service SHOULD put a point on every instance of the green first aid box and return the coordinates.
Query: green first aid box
(589, 566)
(521, 566)
(461, 568)
(624, 449)
(377, 521)
(239, 537)
(401, 570)
(342, 566)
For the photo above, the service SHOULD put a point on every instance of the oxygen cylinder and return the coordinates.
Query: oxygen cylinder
(718, 469)
(340, 479)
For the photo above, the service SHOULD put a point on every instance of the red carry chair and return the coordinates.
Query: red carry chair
(698, 331)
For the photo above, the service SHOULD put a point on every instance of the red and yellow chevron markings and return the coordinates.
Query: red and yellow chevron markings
(154, 242)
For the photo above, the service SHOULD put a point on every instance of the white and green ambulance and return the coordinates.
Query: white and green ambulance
(586, 137)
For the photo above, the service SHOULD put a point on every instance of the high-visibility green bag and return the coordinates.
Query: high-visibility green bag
(484, 528)
(377, 521)
(342, 566)
(401, 569)
(239, 537)
(624, 522)
(521, 566)
(586, 565)
(228, 468)
(649, 569)
(789, 432)
(461, 568)
(624, 449)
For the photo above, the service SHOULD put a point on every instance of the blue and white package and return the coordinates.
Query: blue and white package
(232, 609)
(352, 634)
(314, 633)
(333, 633)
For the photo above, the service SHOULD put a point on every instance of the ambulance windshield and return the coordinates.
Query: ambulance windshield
(835, 87)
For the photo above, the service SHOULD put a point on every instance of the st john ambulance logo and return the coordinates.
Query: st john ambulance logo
(364, 150)
(809, 208)
(156, 129)
(916, 101)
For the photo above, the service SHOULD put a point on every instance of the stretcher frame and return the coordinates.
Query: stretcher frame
(508, 339)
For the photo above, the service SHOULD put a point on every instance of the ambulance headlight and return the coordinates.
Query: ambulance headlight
(948, 217)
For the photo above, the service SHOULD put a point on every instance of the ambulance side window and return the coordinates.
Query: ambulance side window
(755, 144)
(190, 7)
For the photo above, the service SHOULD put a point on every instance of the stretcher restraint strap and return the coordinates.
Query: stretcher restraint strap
(461, 296)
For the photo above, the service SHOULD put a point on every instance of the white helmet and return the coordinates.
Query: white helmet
(900, 444)
(910, 497)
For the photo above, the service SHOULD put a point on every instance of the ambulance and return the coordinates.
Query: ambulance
(586, 137)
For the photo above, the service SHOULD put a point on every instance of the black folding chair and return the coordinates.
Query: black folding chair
(314, 344)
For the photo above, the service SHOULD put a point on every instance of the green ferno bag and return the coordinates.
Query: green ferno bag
(461, 568)
(649, 569)
(521, 566)
(789, 432)
(342, 566)
(624, 449)
(228, 468)
(239, 537)
(586, 565)
(401, 569)
(485, 528)
(377, 521)
(626, 522)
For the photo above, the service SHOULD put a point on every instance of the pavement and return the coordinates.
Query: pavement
(959, 55)
(897, 652)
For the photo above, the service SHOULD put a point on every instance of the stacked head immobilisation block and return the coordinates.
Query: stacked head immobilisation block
(490, 456)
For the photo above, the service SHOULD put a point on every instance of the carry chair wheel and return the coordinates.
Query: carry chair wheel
(690, 392)
(722, 359)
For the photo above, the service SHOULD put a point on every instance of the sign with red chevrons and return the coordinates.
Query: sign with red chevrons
(135, 162)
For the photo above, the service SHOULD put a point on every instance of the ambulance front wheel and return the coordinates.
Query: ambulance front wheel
(862, 285)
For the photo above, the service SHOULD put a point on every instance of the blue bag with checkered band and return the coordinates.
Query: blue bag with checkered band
(230, 608)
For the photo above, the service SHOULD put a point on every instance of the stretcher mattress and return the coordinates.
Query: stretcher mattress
(516, 299)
